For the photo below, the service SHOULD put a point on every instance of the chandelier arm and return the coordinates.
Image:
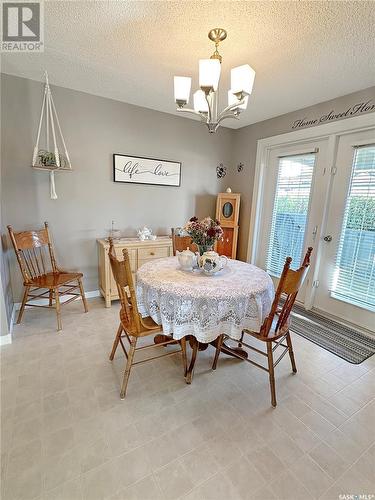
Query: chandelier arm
(202, 116)
(209, 117)
(227, 115)
(224, 117)
(232, 107)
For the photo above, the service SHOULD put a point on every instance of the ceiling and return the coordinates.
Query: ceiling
(303, 52)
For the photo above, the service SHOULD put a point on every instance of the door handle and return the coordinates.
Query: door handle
(328, 238)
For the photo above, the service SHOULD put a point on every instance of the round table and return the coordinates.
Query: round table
(200, 306)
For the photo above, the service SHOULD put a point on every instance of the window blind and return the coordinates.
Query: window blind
(290, 211)
(354, 274)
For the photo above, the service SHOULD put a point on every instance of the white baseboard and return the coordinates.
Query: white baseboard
(7, 339)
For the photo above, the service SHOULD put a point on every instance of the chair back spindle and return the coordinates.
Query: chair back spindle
(181, 243)
(34, 252)
(288, 287)
(123, 277)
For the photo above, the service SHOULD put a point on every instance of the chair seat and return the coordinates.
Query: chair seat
(148, 325)
(54, 280)
(272, 335)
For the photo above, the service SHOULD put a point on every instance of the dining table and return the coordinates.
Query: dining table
(202, 307)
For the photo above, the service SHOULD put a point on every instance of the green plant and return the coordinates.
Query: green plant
(361, 210)
(48, 159)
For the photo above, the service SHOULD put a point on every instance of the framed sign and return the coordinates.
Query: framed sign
(140, 170)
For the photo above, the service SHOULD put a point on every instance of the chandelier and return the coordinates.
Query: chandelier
(205, 100)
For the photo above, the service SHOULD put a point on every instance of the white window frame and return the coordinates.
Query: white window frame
(328, 131)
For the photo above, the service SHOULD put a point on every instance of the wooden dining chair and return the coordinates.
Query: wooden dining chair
(181, 243)
(132, 326)
(36, 259)
(275, 328)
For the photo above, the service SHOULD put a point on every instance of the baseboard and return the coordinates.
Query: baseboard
(343, 322)
(7, 339)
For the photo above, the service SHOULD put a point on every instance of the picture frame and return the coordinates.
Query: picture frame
(145, 170)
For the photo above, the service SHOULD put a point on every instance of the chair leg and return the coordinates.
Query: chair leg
(82, 295)
(50, 298)
(271, 373)
(116, 342)
(291, 353)
(128, 368)
(241, 339)
(24, 300)
(58, 308)
(219, 343)
(190, 370)
(184, 356)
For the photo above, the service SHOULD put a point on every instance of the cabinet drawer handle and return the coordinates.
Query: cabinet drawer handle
(152, 253)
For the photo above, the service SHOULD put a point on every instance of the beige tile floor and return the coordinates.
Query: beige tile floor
(66, 434)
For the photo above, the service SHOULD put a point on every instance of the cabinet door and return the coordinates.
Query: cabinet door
(224, 246)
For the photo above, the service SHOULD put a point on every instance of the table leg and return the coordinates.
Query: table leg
(235, 351)
(201, 346)
(195, 346)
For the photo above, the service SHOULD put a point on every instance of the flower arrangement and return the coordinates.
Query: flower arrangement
(204, 232)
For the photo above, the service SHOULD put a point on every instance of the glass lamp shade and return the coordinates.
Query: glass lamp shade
(232, 99)
(242, 79)
(209, 74)
(182, 85)
(200, 103)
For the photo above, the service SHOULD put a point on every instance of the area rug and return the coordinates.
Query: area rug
(341, 340)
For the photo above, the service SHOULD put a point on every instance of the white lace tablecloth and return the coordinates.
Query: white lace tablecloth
(191, 303)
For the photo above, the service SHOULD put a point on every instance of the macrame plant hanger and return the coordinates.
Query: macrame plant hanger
(45, 159)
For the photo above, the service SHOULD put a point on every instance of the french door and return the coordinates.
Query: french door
(293, 202)
(346, 279)
(322, 194)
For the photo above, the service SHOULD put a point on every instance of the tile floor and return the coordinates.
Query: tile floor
(66, 435)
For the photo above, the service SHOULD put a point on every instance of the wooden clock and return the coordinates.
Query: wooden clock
(227, 213)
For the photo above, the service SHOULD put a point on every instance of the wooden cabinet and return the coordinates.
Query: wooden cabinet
(140, 252)
(227, 213)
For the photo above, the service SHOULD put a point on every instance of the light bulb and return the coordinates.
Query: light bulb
(242, 79)
(182, 85)
(209, 74)
(200, 102)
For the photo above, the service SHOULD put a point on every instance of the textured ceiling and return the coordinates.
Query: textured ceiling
(303, 52)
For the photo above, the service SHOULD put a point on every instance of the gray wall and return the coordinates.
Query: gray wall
(6, 297)
(245, 146)
(88, 199)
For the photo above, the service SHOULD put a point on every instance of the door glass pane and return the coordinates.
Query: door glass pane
(354, 276)
(290, 211)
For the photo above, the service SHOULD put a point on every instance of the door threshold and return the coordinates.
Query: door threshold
(339, 320)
